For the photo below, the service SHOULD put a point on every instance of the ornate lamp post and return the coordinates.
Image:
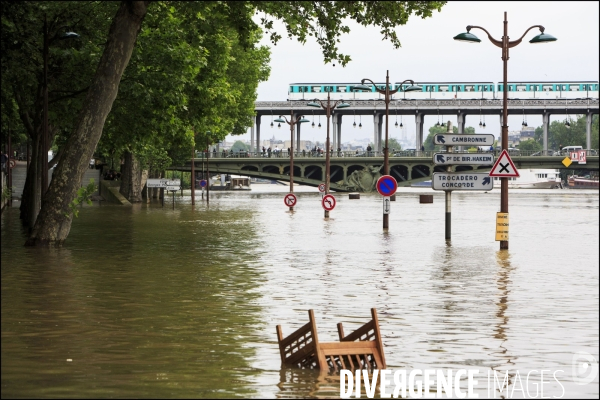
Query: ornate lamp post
(504, 44)
(387, 92)
(328, 106)
(291, 122)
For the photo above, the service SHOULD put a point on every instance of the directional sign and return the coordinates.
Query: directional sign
(173, 188)
(174, 182)
(203, 183)
(387, 185)
(322, 187)
(328, 202)
(466, 140)
(504, 167)
(156, 183)
(463, 159)
(461, 181)
(290, 199)
(386, 205)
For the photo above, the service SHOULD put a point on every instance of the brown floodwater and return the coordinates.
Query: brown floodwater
(147, 301)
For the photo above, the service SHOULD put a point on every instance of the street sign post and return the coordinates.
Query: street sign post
(328, 202)
(386, 205)
(290, 200)
(463, 159)
(461, 181)
(387, 185)
(463, 140)
(504, 167)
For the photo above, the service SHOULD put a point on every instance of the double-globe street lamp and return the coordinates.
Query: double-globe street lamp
(328, 106)
(504, 44)
(291, 122)
(387, 92)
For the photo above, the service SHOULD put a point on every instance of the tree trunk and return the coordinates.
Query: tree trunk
(54, 221)
(31, 197)
(133, 179)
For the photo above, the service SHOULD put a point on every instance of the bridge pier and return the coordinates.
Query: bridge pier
(339, 133)
(419, 119)
(545, 124)
(460, 119)
(588, 130)
(334, 133)
(258, 145)
(297, 148)
(252, 135)
(378, 124)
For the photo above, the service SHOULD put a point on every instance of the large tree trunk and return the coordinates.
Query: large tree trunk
(54, 221)
(31, 197)
(133, 179)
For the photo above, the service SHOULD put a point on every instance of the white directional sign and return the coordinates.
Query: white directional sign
(463, 140)
(461, 181)
(386, 205)
(463, 159)
(173, 188)
(504, 167)
(163, 183)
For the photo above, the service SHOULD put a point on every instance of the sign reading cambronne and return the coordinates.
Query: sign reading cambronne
(463, 159)
(461, 181)
(466, 140)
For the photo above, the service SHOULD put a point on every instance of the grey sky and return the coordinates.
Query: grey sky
(429, 53)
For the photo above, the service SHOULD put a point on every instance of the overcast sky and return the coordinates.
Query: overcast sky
(429, 53)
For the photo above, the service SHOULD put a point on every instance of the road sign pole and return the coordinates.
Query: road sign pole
(449, 150)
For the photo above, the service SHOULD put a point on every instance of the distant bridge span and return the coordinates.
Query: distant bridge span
(345, 171)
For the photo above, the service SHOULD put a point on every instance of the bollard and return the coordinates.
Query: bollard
(353, 196)
(393, 197)
(426, 198)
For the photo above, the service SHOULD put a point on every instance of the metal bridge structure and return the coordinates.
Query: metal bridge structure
(309, 167)
(266, 111)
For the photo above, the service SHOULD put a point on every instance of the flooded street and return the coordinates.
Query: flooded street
(149, 301)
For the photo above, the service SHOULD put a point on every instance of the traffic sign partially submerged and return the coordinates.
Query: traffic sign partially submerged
(290, 199)
(322, 187)
(463, 140)
(461, 181)
(328, 202)
(387, 185)
(504, 167)
(463, 159)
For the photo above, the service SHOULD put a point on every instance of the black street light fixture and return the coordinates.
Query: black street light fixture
(387, 92)
(291, 122)
(505, 44)
(328, 106)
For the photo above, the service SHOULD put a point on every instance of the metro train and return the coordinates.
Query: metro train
(450, 90)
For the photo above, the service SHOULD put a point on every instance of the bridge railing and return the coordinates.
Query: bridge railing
(360, 154)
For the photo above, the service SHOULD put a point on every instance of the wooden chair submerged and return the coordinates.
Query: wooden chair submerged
(361, 349)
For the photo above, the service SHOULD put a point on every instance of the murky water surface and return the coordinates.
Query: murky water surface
(155, 302)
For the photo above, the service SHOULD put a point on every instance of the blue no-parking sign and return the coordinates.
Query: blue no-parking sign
(387, 185)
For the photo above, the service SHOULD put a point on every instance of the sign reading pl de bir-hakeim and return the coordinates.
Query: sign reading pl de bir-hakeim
(463, 159)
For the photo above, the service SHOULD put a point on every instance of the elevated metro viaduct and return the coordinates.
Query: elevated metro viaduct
(311, 170)
(418, 109)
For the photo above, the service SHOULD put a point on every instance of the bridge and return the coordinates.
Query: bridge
(418, 109)
(352, 172)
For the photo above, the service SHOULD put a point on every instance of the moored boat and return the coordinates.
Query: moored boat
(534, 179)
(583, 182)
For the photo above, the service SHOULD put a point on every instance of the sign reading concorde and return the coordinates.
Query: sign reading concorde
(444, 139)
(463, 159)
(461, 181)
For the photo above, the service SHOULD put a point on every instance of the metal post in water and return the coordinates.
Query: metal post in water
(449, 193)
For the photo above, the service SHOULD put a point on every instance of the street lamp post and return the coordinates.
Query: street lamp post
(328, 106)
(291, 122)
(504, 44)
(387, 92)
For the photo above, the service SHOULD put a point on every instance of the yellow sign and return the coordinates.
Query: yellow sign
(501, 226)
(567, 161)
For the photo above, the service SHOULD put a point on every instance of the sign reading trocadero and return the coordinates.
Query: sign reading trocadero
(461, 181)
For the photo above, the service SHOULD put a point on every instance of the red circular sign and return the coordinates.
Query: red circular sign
(322, 187)
(290, 199)
(387, 185)
(328, 202)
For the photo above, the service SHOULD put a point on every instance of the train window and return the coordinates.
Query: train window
(342, 89)
(521, 88)
(547, 88)
(574, 88)
(469, 88)
(443, 88)
(316, 89)
(485, 88)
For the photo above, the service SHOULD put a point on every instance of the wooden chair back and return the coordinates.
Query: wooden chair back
(300, 348)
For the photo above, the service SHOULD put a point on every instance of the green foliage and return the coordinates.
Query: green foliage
(530, 145)
(6, 193)
(239, 146)
(84, 194)
(394, 145)
(325, 20)
(560, 135)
